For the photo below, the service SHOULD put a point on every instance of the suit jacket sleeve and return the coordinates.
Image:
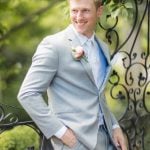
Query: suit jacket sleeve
(40, 75)
(113, 118)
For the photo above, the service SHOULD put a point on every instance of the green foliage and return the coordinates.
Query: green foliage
(23, 25)
(120, 7)
(19, 138)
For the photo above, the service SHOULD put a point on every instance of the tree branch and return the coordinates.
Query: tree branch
(27, 20)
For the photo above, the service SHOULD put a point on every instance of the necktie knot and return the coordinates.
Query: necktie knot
(90, 42)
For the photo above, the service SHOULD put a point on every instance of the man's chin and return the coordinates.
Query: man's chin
(80, 31)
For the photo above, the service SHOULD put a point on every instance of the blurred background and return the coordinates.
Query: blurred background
(24, 23)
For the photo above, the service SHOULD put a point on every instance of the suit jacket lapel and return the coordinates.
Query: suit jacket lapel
(88, 69)
(109, 67)
(74, 42)
(105, 51)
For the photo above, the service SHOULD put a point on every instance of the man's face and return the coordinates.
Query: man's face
(83, 14)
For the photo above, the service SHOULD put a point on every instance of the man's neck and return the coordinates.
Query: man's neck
(82, 38)
(80, 34)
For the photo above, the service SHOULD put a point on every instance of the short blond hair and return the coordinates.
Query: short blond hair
(98, 3)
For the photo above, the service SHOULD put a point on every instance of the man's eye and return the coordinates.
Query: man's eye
(74, 11)
(86, 10)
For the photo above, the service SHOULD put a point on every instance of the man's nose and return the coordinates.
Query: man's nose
(79, 15)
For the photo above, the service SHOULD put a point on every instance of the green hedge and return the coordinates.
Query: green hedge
(19, 138)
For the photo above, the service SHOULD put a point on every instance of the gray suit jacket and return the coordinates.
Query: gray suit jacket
(73, 98)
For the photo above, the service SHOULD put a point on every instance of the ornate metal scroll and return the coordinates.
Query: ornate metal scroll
(10, 118)
(130, 82)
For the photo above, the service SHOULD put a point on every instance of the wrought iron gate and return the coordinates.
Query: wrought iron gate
(132, 87)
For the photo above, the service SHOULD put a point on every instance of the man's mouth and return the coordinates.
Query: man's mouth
(80, 23)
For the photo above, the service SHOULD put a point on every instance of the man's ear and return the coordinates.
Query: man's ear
(99, 11)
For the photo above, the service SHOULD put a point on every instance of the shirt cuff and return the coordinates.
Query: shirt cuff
(61, 132)
(115, 126)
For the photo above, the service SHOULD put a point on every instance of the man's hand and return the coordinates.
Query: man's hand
(119, 139)
(69, 138)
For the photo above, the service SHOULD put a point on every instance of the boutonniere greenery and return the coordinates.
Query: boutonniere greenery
(78, 53)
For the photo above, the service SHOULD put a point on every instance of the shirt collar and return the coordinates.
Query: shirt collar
(82, 38)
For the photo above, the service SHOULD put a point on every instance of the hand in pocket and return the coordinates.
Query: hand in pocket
(69, 138)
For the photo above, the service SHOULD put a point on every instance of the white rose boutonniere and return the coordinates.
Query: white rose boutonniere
(78, 53)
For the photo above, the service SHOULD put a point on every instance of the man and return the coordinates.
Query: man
(76, 117)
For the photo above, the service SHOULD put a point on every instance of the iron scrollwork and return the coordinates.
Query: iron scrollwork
(7, 119)
(134, 85)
